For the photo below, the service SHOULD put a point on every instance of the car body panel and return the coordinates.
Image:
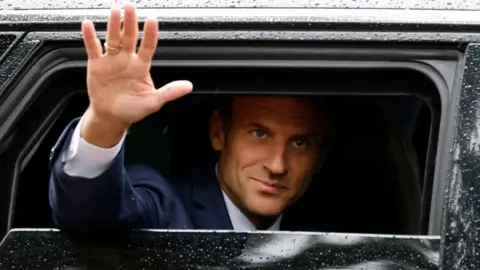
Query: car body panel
(348, 25)
(272, 16)
(7, 41)
(461, 225)
(13, 61)
(167, 249)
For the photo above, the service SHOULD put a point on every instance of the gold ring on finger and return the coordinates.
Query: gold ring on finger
(112, 50)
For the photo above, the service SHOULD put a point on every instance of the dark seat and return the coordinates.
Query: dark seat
(149, 142)
(370, 181)
(192, 144)
(173, 139)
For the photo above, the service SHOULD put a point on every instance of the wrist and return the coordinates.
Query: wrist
(101, 132)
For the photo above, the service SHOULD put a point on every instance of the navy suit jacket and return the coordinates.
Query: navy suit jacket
(134, 197)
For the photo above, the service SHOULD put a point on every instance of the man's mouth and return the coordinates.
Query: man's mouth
(268, 186)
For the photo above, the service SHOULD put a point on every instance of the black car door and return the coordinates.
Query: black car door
(42, 87)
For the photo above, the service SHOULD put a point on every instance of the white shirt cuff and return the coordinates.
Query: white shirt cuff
(83, 159)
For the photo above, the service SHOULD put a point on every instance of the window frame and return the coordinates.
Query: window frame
(51, 60)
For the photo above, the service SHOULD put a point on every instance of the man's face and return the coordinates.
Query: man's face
(270, 152)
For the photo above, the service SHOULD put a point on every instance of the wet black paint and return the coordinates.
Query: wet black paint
(395, 4)
(461, 226)
(215, 250)
(13, 61)
(6, 42)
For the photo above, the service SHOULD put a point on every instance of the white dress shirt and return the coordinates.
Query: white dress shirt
(83, 159)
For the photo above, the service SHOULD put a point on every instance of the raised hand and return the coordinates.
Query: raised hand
(120, 88)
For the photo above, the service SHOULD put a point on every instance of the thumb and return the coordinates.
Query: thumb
(172, 91)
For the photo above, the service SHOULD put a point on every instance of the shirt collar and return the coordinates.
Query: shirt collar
(239, 221)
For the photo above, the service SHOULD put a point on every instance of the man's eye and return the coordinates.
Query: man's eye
(259, 133)
(300, 143)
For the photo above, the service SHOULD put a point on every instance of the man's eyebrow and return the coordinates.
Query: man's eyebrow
(257, 125)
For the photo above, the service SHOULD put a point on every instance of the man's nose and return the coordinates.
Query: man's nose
(276, 162)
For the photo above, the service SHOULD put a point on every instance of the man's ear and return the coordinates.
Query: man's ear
(217, 131)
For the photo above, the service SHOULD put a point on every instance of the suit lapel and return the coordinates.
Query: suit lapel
(208, 199)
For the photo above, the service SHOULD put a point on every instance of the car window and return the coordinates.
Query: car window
(373, 179)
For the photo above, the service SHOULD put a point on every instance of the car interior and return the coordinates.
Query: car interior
(378, 172)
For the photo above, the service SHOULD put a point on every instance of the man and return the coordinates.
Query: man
(270, 147)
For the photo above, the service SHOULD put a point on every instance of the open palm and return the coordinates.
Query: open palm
(120, 87)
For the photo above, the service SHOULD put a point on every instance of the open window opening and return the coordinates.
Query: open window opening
(378, 173)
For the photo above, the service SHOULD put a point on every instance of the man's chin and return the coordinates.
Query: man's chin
(266, 210)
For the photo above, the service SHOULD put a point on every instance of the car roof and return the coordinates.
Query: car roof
(365, 17)
(340, 4)
(360, 12)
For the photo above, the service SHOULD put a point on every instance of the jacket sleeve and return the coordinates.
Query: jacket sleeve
(86, 160)
(119, 198)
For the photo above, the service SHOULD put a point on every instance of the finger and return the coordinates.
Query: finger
(114, 37)
(172, 91)
(92, 44)
(149, 40)
(130, 28)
